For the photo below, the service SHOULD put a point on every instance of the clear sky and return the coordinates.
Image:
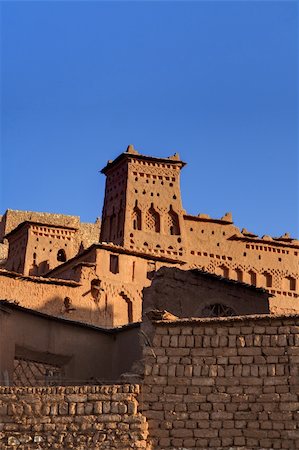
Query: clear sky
(215, 81)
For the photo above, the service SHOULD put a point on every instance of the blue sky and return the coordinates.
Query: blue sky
(215, 81)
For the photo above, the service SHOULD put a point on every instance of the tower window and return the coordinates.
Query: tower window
(136, 216)
(153, 219)
(173, 222)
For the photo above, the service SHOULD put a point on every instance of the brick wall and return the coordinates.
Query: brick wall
(86, 417)
(223, 383)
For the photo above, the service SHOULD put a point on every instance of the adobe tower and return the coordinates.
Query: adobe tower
(142, 207)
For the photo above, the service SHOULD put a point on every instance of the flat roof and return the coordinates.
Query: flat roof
(126, 155)
(41, 224)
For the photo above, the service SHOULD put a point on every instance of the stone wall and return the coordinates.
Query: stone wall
(223, 383)
(86, 417)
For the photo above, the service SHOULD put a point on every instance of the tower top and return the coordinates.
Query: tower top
(131, 152)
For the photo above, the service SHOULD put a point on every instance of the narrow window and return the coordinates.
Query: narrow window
(114, 264)
(252, 276)
(136, 217)
(173, 222)
(239, 274)
(268, 279)
(290, 283)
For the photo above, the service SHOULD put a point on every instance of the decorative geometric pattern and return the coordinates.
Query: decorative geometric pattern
(152, 220)
(32, 373)
(173, 222)
(218, 310)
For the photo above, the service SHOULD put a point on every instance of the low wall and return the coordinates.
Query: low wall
(87, 417)
(223, 383)
(230, 384)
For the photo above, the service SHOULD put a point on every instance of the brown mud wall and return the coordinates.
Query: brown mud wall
(223, 384)
(87, 417)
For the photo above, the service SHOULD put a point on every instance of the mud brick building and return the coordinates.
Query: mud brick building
(97, 272)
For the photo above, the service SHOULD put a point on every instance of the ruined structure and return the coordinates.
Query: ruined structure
(96, 272)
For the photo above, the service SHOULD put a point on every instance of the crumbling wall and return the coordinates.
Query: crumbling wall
(86, 417)
(227, 383)
(12, 218)
(89, 233)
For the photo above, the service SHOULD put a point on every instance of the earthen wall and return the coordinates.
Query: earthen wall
(223, 383)
(87, 417)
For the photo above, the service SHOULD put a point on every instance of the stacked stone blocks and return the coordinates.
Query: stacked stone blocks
(223, 384)
(82, 417)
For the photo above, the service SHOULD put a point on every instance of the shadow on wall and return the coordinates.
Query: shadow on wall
(95, 313)
(38, 347)
(194, 293)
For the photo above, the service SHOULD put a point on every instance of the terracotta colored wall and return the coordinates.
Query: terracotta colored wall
(84, 417)
(223, 383)
(45, 240)
(215, 245)
(148, 187)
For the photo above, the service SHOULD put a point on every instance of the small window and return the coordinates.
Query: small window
(61, 256)
(268, 279)
(114, 264)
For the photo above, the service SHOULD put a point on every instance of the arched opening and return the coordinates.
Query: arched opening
(173, 222)
(267, 279)
(153, 219)
(223, 271)
(61, 256)
(136, 218)
(218, 310)
(123, 312)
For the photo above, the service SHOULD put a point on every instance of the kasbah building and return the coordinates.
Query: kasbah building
(96, 273)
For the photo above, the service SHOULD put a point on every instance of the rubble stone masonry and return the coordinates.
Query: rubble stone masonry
(86, 417)
(228, 383)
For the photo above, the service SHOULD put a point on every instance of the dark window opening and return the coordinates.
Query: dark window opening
(268, 279)
(114, 264)
(136, 218)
